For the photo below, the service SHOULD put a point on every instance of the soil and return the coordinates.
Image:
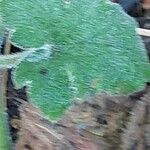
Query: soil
(102, 122)
(15, 97)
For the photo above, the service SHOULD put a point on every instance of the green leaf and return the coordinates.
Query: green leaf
(93, 47)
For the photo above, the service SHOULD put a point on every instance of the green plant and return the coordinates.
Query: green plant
(91, 46)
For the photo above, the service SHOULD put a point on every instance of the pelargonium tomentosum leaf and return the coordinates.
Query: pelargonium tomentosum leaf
(95, 48)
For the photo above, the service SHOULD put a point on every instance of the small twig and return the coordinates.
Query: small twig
(56, 135)
(143, 32)
(16, 99)
(7, 46)
(3, 75)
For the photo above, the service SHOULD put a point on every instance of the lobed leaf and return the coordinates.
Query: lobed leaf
(94, 48)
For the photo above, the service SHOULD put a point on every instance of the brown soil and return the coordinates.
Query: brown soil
(103, 122)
